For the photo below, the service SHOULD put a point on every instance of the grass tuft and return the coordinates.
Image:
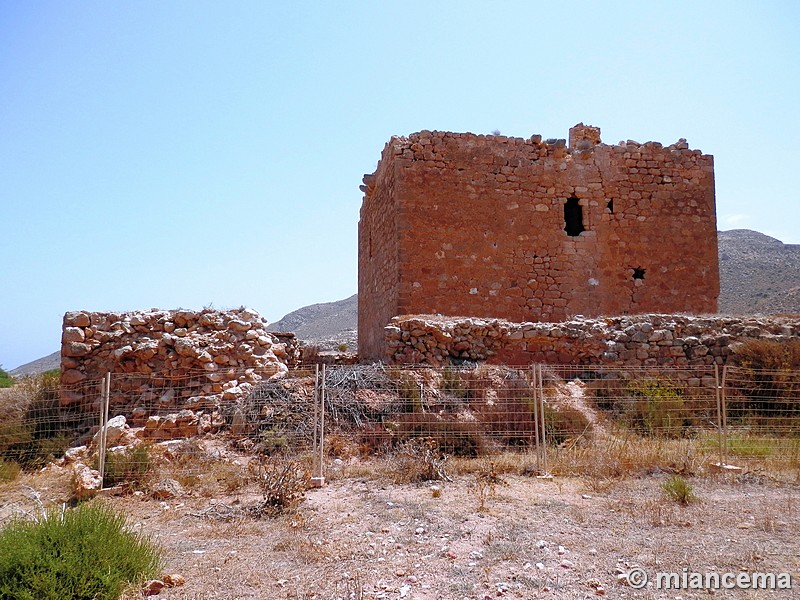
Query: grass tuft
(678, 490)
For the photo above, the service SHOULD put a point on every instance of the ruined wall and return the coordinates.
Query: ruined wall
(525, 230)
(630, 341)
(164, 361)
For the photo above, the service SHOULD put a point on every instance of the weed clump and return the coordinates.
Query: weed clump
(678, 490)
(8, 470)
(82, 554)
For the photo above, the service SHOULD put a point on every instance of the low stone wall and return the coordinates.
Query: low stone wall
(165, 361)
(640, 340)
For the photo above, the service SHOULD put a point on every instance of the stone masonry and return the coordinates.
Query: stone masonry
(625, 341)
(529, 230)
(165, 361)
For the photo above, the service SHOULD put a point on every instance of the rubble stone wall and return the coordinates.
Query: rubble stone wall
(532, 230)
(167, 360)
(634, 341)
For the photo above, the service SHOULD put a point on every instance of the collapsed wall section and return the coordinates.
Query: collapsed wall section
(532, 230)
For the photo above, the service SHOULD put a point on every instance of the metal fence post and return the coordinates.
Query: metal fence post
(318, 451)
(315, 429)
(105, 393)
(724, 405)
(718, 389)
(541, 419)
(535, 387)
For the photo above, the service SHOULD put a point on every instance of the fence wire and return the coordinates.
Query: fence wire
(596, 420)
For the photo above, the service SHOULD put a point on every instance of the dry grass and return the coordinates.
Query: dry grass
(363, 535)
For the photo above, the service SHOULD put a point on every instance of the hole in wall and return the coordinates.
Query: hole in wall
(638, 273)
(610, 206)
(573, 217)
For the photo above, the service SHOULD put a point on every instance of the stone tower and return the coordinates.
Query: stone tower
(530, 230)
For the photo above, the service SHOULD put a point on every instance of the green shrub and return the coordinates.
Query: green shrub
(82, 554)
(657, 408)
(679, 490)
(6, 380)
(652, 405)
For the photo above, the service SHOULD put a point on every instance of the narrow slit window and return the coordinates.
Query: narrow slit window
(638, 273)
(610, 206)
(573, 217)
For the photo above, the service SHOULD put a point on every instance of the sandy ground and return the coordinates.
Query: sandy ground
(522, 538)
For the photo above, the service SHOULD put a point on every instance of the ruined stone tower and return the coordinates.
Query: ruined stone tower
(491, 226)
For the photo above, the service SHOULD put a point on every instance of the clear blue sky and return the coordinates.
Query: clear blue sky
(166, 154)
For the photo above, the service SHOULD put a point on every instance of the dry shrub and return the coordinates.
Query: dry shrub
(624, 454)
(373, 438)
(510, 415)
(339, 445)
(419, 459)
(486, 482)
(30, 433)
(661, 513)
(196, 469)
(453, 436)
(769, 383)
(129, 466)
(8, 471)
(309, 354)
(770, 355)
(501, 463)
(215, 478)
(283, 485)
(564, 424)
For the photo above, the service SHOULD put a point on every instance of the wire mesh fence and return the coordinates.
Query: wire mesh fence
(545, 419)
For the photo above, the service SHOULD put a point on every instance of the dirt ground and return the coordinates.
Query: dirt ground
(524, 537)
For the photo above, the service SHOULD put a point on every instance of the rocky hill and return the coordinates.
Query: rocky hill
(758, 274)
(327, 325)
(40, 365)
